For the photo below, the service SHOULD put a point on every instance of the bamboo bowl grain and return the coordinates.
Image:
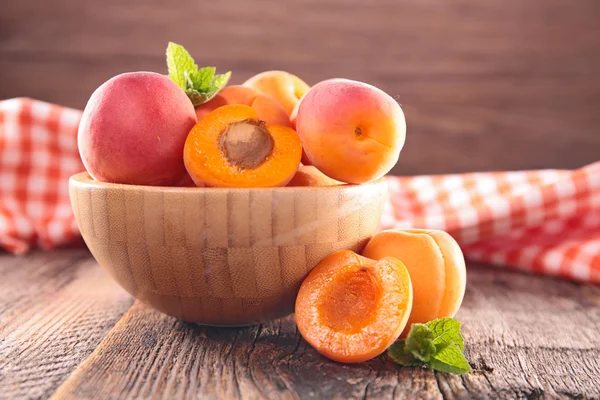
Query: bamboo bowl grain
(220, 256)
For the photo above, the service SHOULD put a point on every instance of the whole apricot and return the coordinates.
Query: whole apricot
(307, 175)
(284, 87)
(351, 131)
(267, 108)
(133, 130)
(436, 266)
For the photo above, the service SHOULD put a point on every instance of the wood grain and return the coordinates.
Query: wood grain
(526, 337)
(54, 310)
(221, 256)
(484, 84)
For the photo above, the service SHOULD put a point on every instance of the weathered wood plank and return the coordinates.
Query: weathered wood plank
(55, 308)
(485, 84)
(526, 337)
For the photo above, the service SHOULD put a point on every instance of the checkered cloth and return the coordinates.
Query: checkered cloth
(540, 221)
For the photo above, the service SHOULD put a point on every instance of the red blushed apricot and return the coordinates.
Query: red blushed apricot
(284, 87)
(436, 266)
(307, 175)
(133, 129)
(231, 147)
(351, 309)
(267, 108)
(350, 131)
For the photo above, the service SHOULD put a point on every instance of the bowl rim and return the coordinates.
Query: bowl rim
(84, 179)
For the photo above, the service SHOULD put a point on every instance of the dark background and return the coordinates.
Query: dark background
(485, 85)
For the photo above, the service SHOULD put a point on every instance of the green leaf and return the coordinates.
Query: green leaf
(437, 343)
(198, 98)
(178, 62)
(200, 85)
(450, 359)
(420, 342)
(446, 330)
(398, 353)
(221, 80)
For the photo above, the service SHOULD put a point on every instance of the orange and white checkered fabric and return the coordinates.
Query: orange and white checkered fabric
(540, 221)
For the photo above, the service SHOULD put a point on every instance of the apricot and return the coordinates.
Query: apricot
(293, 117)
(351, 131)
(351, 308)
(436, 266)
(267, 108)
(307, 175)
(284, 87)
(133, 129)
(231, 147)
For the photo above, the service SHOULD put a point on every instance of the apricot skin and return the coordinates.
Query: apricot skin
(351, 131)
(307, 175)
(133, 130)
(267, 108)
(284, 87)
(436, 266)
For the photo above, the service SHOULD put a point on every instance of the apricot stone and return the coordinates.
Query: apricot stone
(133, 130)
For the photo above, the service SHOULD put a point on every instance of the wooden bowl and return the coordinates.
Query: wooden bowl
(220, 256)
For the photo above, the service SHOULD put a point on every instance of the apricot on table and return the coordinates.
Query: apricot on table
(436, 266)
(267, 108)
(284, 87)
(231, 147)
(350, 131)
(133, 129)
(351, 308)
(307, 175)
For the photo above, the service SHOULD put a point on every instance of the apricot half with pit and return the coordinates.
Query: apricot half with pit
(231, 147)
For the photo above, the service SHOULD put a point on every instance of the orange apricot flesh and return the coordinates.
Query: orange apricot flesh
(231, 147)
(267, 108)
(351, 308)
(307, 175)
(436, 266)
(284, 87)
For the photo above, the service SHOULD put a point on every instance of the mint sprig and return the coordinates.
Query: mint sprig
(437, 344)
(200, 84)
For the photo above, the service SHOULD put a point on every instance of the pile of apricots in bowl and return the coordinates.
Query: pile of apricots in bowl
(189, 129)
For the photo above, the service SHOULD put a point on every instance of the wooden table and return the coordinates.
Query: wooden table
(68, 331)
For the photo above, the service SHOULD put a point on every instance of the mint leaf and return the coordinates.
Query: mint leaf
(420, 342)
(200, 85)
(450, 359)
(446, 330)
(178, 62)
(398, 353)
(438, 344)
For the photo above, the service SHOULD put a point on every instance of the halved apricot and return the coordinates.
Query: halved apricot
(231, 147)
(351, 308)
